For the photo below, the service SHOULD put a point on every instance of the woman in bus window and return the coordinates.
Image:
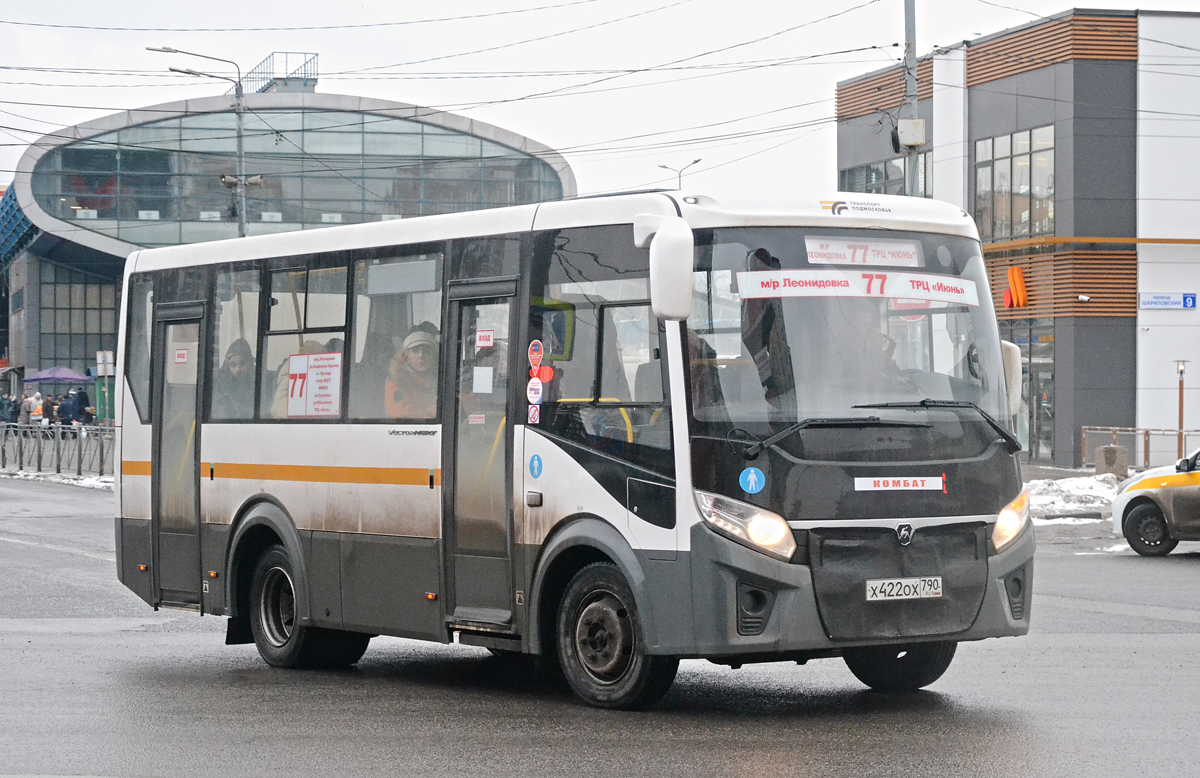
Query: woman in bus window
(411, 391)
(233, 389)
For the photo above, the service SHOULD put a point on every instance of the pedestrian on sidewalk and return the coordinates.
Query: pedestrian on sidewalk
(6, 408)
(25, 415)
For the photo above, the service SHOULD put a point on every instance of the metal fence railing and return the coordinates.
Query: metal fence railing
(59, 448)
(1147, 447)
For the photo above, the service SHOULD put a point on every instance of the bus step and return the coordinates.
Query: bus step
(498, 642)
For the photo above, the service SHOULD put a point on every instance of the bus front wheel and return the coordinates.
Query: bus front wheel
(900, 668)
(601, 646)
(281, 640)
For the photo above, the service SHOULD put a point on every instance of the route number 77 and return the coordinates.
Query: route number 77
(296, 384)
(872, 277)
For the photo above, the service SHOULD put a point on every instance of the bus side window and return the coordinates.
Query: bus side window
(590, 311)
(137, 358)
(397, 341)
(632, 369)
(301, 364)
(234, 345)
(497, 255)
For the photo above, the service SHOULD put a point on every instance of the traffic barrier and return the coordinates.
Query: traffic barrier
(1147, 447)
(71, 448)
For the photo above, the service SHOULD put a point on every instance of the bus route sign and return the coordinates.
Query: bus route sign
(314, 385)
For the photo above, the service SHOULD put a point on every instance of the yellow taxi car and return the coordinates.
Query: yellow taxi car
(1159, 507)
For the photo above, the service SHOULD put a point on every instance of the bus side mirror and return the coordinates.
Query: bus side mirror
(671, 261)
(1011, 356)
(1183, 465)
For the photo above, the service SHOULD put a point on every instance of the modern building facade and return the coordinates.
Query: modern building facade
(85, 197)
(1073, 141)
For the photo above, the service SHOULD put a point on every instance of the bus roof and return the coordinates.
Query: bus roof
(819, 209)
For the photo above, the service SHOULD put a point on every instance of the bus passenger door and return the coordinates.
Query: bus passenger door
(175, 524)
(477, 480)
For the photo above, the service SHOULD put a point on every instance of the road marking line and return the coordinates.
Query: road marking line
(78, 625)
(1156, 612)
(63, 549)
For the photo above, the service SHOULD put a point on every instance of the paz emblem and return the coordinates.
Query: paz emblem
(904, 533)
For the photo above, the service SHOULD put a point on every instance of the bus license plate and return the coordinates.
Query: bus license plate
(904, 588)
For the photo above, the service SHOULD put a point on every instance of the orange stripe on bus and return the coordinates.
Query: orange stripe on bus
(395, 476)
(129, 467)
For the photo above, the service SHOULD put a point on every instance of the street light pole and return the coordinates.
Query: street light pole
(909, 111)
(239, 108)
(679, 171)
(1180, 365)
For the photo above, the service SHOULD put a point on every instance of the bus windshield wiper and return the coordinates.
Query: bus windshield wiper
(1013, 444)
(853, 421)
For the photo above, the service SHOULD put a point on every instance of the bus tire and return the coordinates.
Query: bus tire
(1146, 530)
(900, 668)
(281, 641)
(601, 646)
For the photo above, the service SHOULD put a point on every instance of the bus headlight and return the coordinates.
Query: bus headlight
(1011, 520)
(748, 524)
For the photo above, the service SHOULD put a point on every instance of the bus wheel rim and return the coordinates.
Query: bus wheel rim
(604, 637)
(277, 607)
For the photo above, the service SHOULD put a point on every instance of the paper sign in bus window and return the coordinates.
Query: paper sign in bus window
(857, 283)
(481, 380)
(862, 251)
(314, 385)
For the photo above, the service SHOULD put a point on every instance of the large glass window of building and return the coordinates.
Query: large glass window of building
(887, 177)
(169, 182)
(1014, 184)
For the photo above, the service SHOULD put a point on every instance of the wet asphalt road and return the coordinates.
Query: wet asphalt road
(95, 683)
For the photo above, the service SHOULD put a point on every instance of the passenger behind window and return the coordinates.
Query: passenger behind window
(233, 385)
(412, 384)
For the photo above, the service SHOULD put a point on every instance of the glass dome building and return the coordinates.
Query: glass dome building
(85, 197)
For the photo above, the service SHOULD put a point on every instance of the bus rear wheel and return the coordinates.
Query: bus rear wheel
(601, 647)
(1147, 533)
(900, 668)
(281, 640)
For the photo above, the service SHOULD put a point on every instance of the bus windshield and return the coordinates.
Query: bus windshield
(793, 324)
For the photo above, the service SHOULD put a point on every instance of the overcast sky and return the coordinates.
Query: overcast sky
(747, 86)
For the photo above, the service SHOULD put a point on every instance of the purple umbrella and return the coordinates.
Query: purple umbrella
(63, 374)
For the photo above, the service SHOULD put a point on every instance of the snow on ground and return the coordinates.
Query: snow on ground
(104, 482)
(1053, 501)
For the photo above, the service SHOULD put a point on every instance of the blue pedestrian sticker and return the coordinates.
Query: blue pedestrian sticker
(752, 480)
(535, 465)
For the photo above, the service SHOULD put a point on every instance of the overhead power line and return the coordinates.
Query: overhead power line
(367, 25)
(538, 39)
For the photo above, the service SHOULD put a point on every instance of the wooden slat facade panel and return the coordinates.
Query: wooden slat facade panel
(1054, 282)
(883, 91)
(1079, 37)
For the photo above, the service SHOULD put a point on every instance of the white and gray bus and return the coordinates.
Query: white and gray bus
(613, 432)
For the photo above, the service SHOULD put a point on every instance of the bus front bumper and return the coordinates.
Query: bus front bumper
(746, 604)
